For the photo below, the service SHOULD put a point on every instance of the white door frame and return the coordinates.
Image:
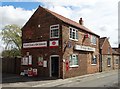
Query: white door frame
(50, 68)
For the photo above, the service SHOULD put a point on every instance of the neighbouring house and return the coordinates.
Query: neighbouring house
(106, 54)
(57, 46)
(115, 57)
(117, 51)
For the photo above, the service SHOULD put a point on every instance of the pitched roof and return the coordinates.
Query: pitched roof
(71, 22)
(114, 52)
(101, 41)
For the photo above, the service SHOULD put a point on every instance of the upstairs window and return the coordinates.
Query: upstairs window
(73, 33)
(93, 40)
(73, 60)
(54, 31)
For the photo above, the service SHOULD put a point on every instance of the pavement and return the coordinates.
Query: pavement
(11, 80)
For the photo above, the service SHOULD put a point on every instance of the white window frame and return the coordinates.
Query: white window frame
(92, 39)
(94, 56)
(110, 62)
(52, 28)
(73, 65)
(76, 33)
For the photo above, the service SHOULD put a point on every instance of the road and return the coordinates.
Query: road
(104, 79)
(109, 79)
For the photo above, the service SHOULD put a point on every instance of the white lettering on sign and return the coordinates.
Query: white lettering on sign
(35, 44)
(54, 43)
(84, 48)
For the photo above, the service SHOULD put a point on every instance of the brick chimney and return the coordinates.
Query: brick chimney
(81, 21)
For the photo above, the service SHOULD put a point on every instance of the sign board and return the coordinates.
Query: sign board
(35, 44)
(44, 63)
(84, 48)
(54, 43)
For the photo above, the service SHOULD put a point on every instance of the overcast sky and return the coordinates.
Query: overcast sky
(100, 16)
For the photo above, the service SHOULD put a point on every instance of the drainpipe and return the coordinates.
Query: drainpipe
(100, 61)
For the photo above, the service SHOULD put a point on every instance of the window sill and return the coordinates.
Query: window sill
(93, 64)
(73, 39)
(109, 65)
(93, 44)
(74, 66)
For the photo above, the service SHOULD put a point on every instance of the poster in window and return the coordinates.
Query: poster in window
(40, 61)
(24, 61)
(30, 60)
(44, 63)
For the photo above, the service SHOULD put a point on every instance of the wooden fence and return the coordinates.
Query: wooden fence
(11, 65)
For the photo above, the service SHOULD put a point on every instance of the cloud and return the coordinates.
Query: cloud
(100, 16)
(11, 15)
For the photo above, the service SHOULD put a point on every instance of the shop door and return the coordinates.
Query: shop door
(55, 66)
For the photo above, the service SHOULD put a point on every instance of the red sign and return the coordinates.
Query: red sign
(54, 43)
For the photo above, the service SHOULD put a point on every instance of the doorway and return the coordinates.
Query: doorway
(54, 66)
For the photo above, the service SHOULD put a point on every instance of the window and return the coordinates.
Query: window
(94, 59)
(73, 60)
(117, 61)
(93, 40)
(54, 31)
(109, 62)
(73, 33)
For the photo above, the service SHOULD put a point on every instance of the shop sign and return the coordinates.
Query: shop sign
(84, 48)
(54, 43)
(35, 44)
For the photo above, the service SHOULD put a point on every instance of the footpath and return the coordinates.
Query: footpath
(20, 81)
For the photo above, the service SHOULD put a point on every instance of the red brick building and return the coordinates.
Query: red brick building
(109, 57)
(58, 46)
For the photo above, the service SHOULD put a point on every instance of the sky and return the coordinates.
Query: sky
(100, 16)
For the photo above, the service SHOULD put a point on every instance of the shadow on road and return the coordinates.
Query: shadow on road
(13, 78)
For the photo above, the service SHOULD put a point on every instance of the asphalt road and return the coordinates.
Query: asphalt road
(104, 79)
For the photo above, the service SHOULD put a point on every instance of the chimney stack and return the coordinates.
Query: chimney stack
(81, 21)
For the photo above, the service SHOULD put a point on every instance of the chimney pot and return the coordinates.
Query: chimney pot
(81, 21)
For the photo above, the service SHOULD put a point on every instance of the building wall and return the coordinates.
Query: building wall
(105, 55)
(32, 33)
(105, 66)
(115, 66)
(84, 57)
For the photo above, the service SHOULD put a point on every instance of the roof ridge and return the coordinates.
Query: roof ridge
(65, 19)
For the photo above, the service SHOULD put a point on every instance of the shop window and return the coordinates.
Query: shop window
(54, 31)
(117, 61)
(26, 60)
(93, 40)
(73, 60)
(109, 61)
(73, 33)
(94, 60)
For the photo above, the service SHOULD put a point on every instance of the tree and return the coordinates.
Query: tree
(11, 35)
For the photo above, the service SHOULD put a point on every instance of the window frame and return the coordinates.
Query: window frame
(92, 63)
(108, 62)
(93, 38)
(51, 29)
(71, 58)
(76, 33)
(116, 61)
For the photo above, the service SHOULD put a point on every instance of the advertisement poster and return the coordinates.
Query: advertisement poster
(40, 61)
(30, 60)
